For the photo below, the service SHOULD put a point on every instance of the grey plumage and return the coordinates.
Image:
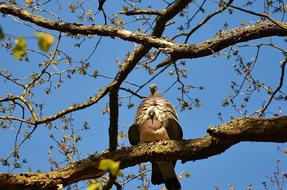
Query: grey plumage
(156, 119)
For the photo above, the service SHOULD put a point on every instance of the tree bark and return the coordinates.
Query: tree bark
(177, 51)
(219, 139)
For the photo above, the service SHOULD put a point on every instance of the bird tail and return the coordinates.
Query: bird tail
(156, 176)
(173, 184)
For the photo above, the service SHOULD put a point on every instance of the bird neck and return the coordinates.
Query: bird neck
(155, 94)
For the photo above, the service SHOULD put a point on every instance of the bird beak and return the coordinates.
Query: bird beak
(152, 119)
(151, 115)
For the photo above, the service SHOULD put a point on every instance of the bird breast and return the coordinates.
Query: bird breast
(152, 130)
(159, 110)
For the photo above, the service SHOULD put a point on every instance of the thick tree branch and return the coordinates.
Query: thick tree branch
(75, 28)
(178, 51)
(219, 139)
(223, 40)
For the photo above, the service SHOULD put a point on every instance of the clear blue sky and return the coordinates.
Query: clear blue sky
(243, 164)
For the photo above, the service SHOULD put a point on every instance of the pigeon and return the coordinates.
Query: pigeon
(156, 119)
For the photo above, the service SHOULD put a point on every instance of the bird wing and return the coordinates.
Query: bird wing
(173, 129)
(134, 134)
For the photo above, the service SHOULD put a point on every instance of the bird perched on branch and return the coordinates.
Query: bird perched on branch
(156, 119)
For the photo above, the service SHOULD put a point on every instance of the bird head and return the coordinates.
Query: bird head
(153, 90)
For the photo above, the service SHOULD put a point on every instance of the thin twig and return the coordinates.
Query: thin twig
(141, 12)
(25, 138)
(135, 176)
(20, 126)
(12, 80)
(282, 65)
(31, 84)
(245, 78)
(152, 78)
(94, 50)
(199, 9)
(224, 6)
(132, 92)
(281, 25)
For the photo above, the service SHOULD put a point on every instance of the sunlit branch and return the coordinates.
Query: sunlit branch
(74, 28)
(179, 51)
(8, 117)
(27, 104)
(9, 98)
(222, 41)
(219, 140)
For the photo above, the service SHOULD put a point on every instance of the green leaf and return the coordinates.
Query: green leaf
(235, 52)
(20, 48)
(45, 40)
(29, 3)
(119, 22)
(2, 36)
(89, 12)
(110, 165)
(95, 186)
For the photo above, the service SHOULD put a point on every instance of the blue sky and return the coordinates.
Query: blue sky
(243, 164)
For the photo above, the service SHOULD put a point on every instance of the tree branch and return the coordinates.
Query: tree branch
(219, 139)
(141, 12)
(75, 28)
(114, 114)
(178, 51)
(223, 40)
